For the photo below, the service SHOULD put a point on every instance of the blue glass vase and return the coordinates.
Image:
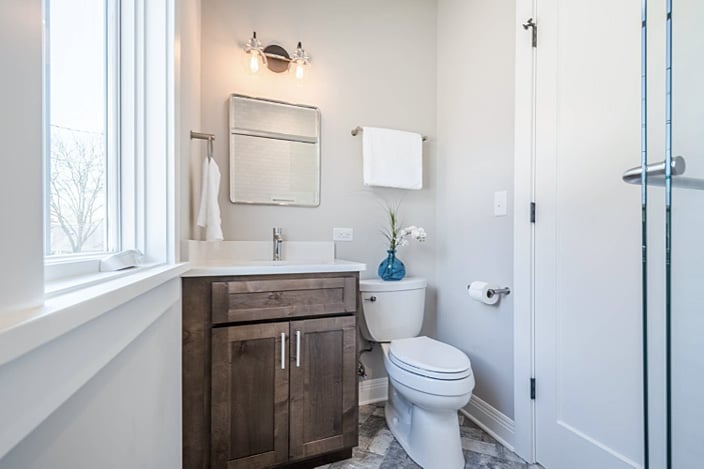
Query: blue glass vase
(391, 268)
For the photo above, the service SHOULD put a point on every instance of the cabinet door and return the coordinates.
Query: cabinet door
(249, 409)
(323, 386)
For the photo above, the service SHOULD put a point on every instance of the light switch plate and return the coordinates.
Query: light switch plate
(342, 234)
(500, 209)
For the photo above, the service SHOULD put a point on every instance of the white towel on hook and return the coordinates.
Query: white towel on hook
(392, 158)
(209, 212)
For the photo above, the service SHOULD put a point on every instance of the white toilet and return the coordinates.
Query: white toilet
(429, 380)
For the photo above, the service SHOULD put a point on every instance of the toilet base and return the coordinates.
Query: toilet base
(431, 438)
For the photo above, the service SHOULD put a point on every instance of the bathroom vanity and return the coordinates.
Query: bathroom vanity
(269, 365)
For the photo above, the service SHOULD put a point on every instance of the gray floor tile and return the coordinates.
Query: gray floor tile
(360, 460)
(378, 449)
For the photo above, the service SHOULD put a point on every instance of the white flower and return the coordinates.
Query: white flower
(398, 237)
(419, 234)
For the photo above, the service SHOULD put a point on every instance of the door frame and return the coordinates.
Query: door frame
(523, 228)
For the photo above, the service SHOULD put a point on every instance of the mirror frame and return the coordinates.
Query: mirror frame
(232, 132)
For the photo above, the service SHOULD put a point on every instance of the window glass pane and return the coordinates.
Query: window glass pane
(78, 150)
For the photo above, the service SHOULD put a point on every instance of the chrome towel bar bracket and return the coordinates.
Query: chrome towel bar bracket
(358, 130)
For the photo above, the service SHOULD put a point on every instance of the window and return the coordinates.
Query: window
(109, 132)
(82, 157)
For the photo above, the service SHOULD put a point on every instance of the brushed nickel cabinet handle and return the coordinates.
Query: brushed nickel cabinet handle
(283, 350)
(298, 349)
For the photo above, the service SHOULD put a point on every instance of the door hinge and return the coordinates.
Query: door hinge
(532, 388)
(532, 212)
(534, 31)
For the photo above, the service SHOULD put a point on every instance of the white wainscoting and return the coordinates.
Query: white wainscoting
(105, 394)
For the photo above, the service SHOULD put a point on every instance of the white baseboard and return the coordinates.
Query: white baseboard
(491, 421)
(373, 390)
(480, 412)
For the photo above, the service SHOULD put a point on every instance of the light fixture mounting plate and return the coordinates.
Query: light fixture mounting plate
(277, 57)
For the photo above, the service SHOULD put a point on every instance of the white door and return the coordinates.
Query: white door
(587, 308)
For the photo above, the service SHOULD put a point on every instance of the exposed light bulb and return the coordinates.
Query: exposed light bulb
(254, 62)
(299, 70)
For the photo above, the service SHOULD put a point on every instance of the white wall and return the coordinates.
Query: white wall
(475, 154)
(373, 63)
(21, 186)
(188, 152)
(68, 403)
(109, 391)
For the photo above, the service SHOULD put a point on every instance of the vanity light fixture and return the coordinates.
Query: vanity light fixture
(256, 53)
(300, 60)
(275, 57)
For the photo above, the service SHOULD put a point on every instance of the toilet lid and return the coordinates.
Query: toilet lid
(428, 357)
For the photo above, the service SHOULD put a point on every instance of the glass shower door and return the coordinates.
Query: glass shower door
(685, 229)
(672, 189)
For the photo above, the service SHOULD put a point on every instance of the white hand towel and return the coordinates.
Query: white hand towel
(392, 158)
(209, 212)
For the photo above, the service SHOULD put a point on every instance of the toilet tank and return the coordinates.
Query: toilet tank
(392, 309)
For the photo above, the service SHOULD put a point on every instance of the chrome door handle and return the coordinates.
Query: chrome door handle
(298, 349)
(283, 350)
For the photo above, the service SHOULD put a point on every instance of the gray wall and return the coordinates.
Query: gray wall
(475, 154)
(373, 64)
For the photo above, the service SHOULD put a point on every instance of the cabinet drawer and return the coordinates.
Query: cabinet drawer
(253, 300)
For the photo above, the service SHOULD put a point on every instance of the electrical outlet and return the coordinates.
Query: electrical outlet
(500, 209)
(342, 234)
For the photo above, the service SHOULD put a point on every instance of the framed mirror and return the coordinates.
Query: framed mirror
(274, 152)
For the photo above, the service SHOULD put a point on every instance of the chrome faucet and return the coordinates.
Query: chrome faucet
(278, 239)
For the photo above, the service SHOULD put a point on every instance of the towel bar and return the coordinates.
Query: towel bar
(357, 130)
(205, 136)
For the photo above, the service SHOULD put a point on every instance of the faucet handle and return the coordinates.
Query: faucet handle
(277, 231)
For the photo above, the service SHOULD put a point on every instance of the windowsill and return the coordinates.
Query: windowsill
(61, 286)
(70, 307)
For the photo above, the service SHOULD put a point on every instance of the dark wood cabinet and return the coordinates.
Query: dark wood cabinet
(250, 396)
(323, 383)
(270, 379)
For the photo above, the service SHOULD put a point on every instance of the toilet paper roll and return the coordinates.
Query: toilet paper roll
(480, 291)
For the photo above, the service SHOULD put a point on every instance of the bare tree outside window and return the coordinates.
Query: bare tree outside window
(77, 191)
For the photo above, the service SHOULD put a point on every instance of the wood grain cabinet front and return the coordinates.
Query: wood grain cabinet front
(250, 396)
(272, 299)
(323, 386)
(283, 391)
(269, 370)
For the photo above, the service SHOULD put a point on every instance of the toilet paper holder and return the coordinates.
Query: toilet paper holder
(499, 291)
(496, 291)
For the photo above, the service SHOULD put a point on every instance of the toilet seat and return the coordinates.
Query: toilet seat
(430, 358)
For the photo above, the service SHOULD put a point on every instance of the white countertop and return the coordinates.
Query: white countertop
(219, 258)
(228, 267)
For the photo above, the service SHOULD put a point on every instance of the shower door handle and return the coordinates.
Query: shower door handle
(677, 166)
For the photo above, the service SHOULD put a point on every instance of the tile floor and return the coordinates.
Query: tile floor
(379, 450)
